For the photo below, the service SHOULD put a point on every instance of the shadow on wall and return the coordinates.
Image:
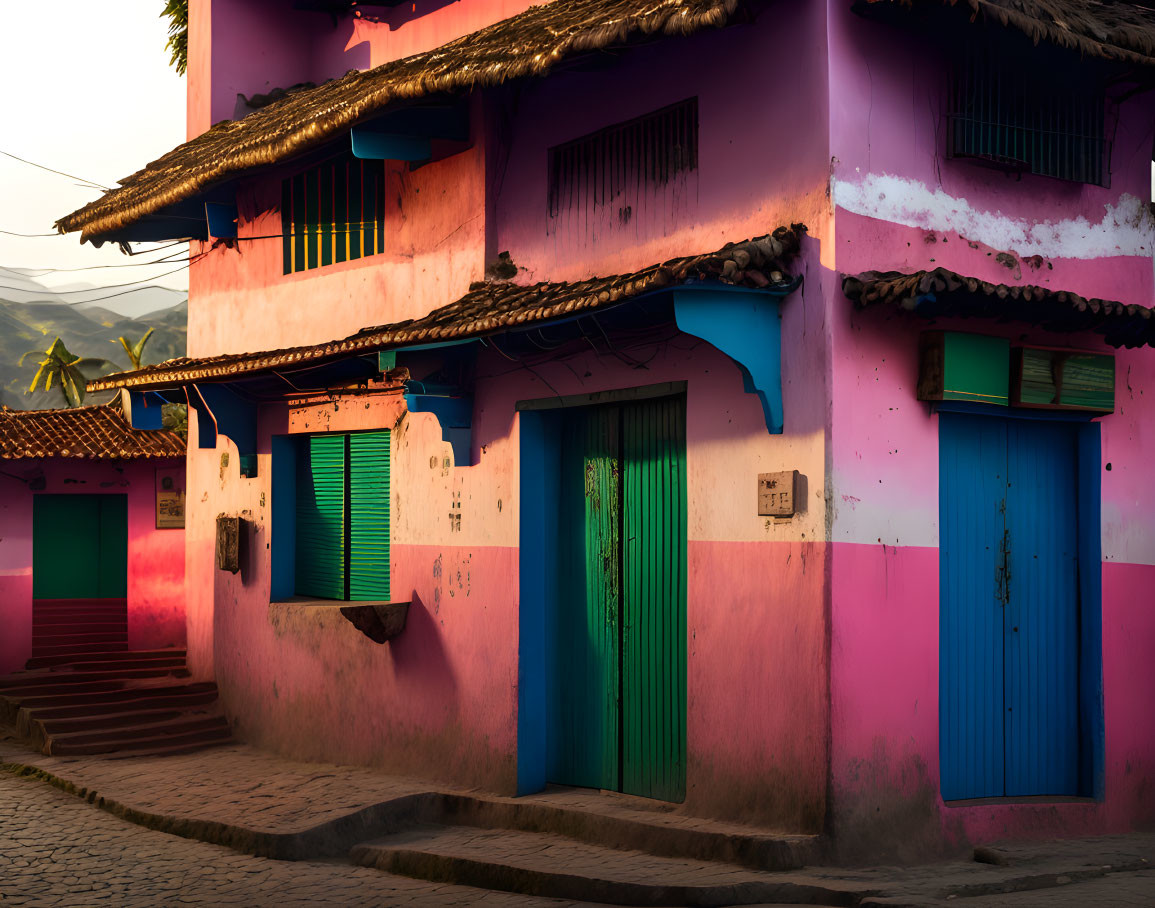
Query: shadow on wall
(419, 657)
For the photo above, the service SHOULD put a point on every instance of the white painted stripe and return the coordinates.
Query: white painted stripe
(1127, 227)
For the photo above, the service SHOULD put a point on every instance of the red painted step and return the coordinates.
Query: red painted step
(82, 643)
(88, 622)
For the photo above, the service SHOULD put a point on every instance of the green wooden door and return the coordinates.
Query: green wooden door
(79, 546)
(654, 595)
(321, 503)
(369, 516)
(618, 697)
(586, 692)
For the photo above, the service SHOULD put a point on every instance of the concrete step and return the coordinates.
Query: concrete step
(554, 866)
(38, 731)
(111, 659)
(182, 732)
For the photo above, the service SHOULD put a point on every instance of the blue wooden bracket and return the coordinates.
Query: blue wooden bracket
(221, 220)
(142, 409)
(415, 134)
(220, 410)
(455, 414)
(744, 325)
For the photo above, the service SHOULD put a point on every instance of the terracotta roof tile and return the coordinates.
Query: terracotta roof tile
(529, 44)
(489, 308)
(97, 433)
(943, 292)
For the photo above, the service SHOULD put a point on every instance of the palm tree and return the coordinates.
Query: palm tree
(60, 365)
(135, 351)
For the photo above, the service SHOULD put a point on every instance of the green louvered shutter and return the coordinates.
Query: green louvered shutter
(321, 517)
(369, 516)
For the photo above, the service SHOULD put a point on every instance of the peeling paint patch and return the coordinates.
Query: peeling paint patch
(1127, 227)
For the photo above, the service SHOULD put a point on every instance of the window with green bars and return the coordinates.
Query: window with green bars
(1030, 109)
(342, 516)
(333, 212)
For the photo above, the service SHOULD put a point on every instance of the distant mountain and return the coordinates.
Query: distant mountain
(21, 285)
(92, 332)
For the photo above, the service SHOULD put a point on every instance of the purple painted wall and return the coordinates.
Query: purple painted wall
(156, 601)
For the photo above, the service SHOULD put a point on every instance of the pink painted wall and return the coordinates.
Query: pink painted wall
(156, 613)
(900, 205)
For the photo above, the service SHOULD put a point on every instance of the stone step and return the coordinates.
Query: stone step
(64, 706)
(554, 866)
(63, 676)
(111, 659)
(38, 731)
(182, 732)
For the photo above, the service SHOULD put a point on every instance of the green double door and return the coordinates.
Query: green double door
(79, 546)
(618, 640)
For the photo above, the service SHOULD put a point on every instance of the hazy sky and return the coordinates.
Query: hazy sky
(87, 90)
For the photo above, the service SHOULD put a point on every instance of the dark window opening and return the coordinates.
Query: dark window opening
(614, 172)
(334, 212)
(1030, 109)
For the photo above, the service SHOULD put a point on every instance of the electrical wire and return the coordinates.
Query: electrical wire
(167, 260)
(70, 176)
(144, 280)
(28, 235)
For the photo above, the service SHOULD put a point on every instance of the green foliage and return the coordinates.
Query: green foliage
(177, 13)
(135, 351)
(63, 367)
(175, 417)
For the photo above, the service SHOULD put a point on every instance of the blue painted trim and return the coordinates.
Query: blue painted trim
(455, 414)
(283, 536)
(1092, 734)
(743, 324)
(975, 409)
(221, 219)
(235, 417)
(540, 459)
(143, 409)
(375, 146)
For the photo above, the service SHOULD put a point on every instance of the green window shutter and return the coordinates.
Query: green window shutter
(369, 516)
(320, 559)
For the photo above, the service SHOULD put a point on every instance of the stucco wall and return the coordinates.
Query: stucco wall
(156, 615)
(901, 205)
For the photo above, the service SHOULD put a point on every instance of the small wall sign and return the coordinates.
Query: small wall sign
(776, 493)
(170, 499)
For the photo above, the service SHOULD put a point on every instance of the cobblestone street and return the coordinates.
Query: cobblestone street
(56, 850)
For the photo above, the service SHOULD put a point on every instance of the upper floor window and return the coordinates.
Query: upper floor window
(333, 212)
(638, 176)
(1030, 109)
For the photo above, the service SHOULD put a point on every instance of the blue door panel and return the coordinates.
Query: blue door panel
(1042, 614)
(972, 469)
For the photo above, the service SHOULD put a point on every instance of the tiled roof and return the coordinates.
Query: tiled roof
(489, 308)
(1110, 29)
(529, 44)
(943, 292)
(95, 433)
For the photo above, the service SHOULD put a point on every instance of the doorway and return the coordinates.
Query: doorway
(79, 546)
(1018, 650)
(616, 631)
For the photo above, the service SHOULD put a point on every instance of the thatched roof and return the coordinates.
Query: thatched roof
(490, 308)
(1110, 29)
(90, 433)
(530, 44)
(946, 293)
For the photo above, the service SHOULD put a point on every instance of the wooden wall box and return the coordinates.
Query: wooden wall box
(953, 365)
(1051, 378)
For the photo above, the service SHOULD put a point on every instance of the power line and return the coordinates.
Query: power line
(143, 280)
(38, 272)
(28, 235)
(70, 176)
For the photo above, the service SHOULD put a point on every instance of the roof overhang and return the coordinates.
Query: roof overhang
(945, 293)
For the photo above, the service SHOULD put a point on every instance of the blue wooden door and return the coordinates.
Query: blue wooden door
(1009, 608)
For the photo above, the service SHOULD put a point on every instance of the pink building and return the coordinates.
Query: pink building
(91, 535)
(738, 404)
